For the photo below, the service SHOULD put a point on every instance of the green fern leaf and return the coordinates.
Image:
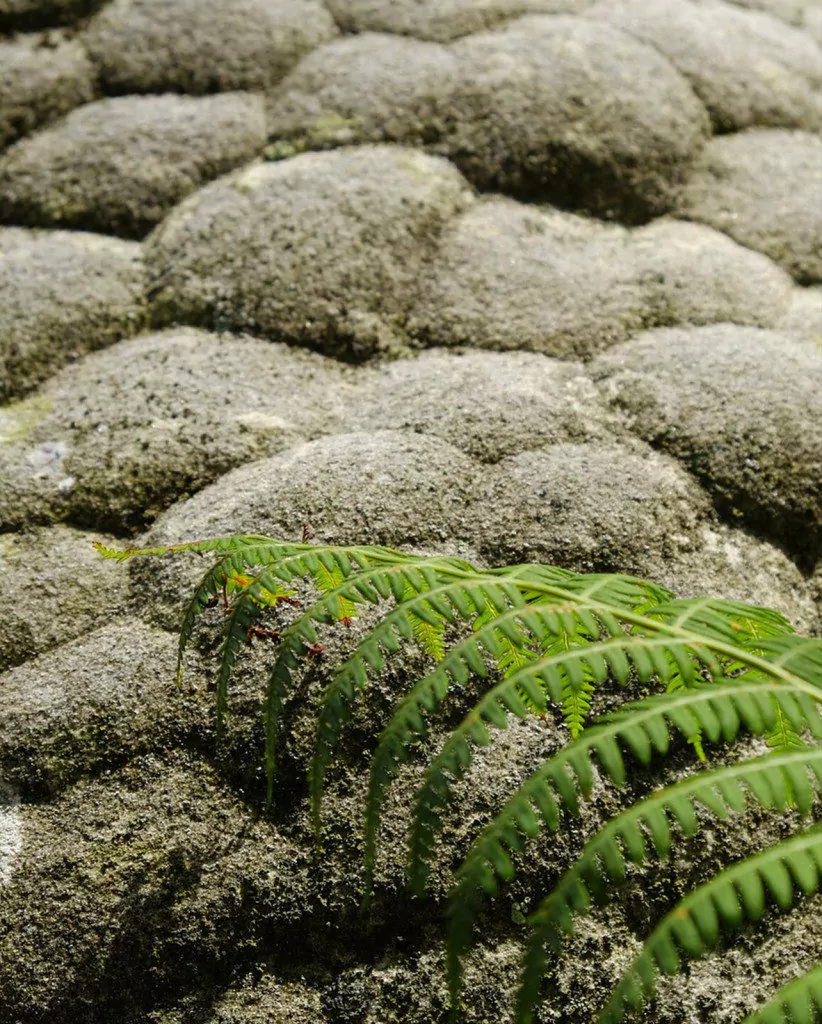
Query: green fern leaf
(768, 780)
(640, 729)
(727, 901)
(799, 1002)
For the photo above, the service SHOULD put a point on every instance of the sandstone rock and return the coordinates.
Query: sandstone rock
(269, 1000)
(541, 108)
(196, 47)
(119, 165)
(795, 12)
(728, 562)
(383, 487)
(601, 506)
(803, 317)
(53, 587)
(324, 250)
(741, 408)
(124, 433)
(41, 78)
(763, 188)
(748, 68)
(91, 704)
(510, 276)
(486, 404)
(441, 20)
(101, 908)
(63, 294)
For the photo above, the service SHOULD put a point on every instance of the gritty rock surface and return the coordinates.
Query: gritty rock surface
(803, 316)
(750, 569)
(526, 109)
(740, 186)
(740, 408)
(112, 864)
(748, 68)
(121, 435)
(75, 591)
(396, 487)
(280, 250)
(196, 47)
(555, 369)
(121, 700)
(41, 78)
(590, 506)
(488, 405)
(510, 276)
(441, 20)
(63, 294)
(119, 165)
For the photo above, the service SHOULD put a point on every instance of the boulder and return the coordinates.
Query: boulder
(741, 408)
(749, 68)
(487, 404)
(441, 20)
(541, 108)
(119, 165)
(63, 294)
(122, 434)
(53, 588)
(198, 47)
(41, 78)
(601, 506)
(324, 249)
(510, 276)
(762, 188)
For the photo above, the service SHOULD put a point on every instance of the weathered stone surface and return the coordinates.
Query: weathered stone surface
(795, 12)
(728, 562)
(124, 433)
(23, 15)
(91, 704)
(324, 250)
(599, 506)
(747, 67)
(109, 899)
(803, 316)
(63, 294)
(763, 188)
(541, 108)
(441, 20)
(53, 587)
(41, 78)
(119, 165)
(201, 47)
(742, 409)
(511, 276)
(269, 1000)
(382, 487)
(487, 404)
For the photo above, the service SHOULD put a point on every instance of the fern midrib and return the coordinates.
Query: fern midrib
(720, 647)
(690, 787)
(589, 739)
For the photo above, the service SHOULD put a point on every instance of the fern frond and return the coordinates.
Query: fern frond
(456, 599)
(386, 580)
(799, 1002)
(726, 902)
(774, 780)
(614, 655)
(233, 542)
(640, 729)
